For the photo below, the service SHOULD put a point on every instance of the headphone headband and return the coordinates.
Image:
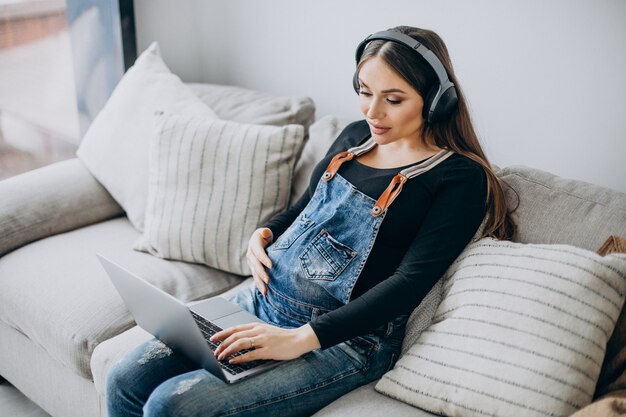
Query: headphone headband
(441, 102)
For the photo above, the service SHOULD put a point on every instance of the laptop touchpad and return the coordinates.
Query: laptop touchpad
(241, 317)
(214, 308)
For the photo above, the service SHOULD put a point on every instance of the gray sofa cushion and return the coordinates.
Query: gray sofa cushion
(49, 200)
(558, 210)
(365, 401)
(250, 106)
(56, 293)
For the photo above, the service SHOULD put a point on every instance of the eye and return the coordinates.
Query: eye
(364, 93)
(394, 102)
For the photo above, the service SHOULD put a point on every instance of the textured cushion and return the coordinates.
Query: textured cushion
(49, 200)
(322, 134)
(115, 147)
(521, 331)
(558, 210)
(212, 183)
(422, 317)
(110, 351)
(56, 293)
(613, 374)
(257, 107)
(365, 401)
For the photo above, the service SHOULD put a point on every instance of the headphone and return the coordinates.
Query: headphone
(441, 99)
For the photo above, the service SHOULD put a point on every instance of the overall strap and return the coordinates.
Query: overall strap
(342, 157)
(395, 186)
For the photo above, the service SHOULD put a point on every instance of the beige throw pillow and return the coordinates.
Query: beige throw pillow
(521, 331)
(212, 183)
(116, 146)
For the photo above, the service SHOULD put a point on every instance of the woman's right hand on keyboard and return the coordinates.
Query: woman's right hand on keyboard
(257, 257)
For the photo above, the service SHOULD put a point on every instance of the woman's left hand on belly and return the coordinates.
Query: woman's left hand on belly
(257, 258)
(266, 342)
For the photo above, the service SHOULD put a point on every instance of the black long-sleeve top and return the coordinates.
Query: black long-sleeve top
(425, 229)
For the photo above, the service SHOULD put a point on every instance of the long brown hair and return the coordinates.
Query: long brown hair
(456, 132)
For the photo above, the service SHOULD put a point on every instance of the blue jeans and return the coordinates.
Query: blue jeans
(153, 380)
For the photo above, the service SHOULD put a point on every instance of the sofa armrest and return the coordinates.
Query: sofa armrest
(53, 199)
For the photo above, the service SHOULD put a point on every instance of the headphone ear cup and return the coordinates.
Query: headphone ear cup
(429, 102)
(444, 106)
(355, 81)
(447, 103)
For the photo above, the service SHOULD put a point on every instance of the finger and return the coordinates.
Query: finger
(262, 257)
(266, 234)
(248, 356)
(234, 347)
(257, 267)
(260, 272)
(229, 346)
(258, 282)
(263, 276)
(260, 285)
(230, 340)
(223, 334)
(244, 334)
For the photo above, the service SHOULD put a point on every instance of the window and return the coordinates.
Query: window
(59, 63)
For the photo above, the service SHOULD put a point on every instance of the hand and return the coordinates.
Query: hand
(269, 342)
(257, 258)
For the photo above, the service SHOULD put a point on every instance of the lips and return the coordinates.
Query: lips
(379, 130)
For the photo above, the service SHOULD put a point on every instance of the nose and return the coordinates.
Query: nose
(375, 110)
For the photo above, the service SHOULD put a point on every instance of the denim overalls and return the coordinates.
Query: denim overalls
(315, 265)
(318, 259)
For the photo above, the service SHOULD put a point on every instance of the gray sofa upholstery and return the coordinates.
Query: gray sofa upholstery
(62, 325)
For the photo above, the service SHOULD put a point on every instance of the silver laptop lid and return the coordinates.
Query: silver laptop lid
(163, 316)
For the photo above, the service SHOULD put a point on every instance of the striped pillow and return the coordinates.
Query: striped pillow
(521, 331)
(211, 184)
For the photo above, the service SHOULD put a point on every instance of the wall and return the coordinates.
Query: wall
(544, 79)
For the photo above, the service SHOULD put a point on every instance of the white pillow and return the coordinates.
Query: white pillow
(212, 183)
(116, 145)
(521, 331)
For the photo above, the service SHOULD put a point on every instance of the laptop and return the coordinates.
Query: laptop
(186, 329)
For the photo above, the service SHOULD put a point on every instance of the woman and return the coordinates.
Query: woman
(337, 275)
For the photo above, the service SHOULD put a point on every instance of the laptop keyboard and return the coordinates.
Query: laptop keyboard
(208, 329)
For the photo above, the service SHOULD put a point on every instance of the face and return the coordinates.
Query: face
(392, 108)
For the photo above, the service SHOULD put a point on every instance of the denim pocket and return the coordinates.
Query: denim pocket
(325, 257)
(297, 228)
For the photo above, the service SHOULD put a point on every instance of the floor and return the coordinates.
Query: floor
(14, 404)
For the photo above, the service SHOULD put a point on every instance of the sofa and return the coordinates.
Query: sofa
(63, 325)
